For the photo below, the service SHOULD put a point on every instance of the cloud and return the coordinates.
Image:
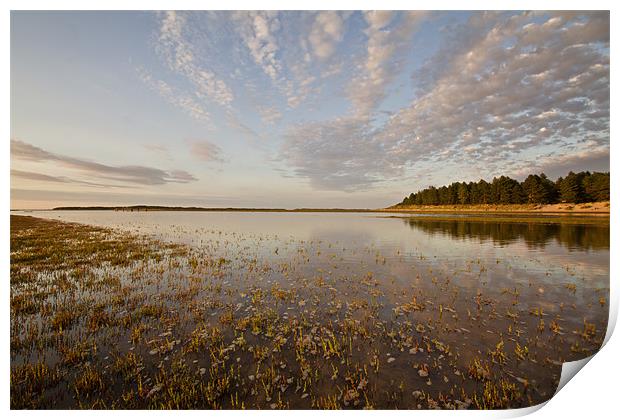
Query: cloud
(35, 176)
(133, 174)
(510, 91)
(554, 166)
(270, 39)
(216, 52)
(180, 45)
(299, 87)
(206, 151)
(258, 30)
(326, 32)
(186, 103)
(512, 87)
(388, 43)
(501, 88)
(270, 115)
(339, 155)
(178, 52)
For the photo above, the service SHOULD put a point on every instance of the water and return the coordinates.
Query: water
(481, 286)
(472, 252)
(543, 247)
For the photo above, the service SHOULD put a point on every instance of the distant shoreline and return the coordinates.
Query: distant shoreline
(599, 209)
(220, 209)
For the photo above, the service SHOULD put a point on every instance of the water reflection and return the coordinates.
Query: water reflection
(535, 235)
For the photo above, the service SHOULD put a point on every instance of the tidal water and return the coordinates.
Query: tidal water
(544, 247)
(518, 295)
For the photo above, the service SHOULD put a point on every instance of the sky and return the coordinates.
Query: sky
(299, 109)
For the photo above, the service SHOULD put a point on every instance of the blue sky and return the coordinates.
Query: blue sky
(298, 109)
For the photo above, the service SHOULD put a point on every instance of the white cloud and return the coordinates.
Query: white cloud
(270, 115)
(385, 50)
(179, 99)
(511, 86)
(502, 87)
(325, 34)
(488, 89)
(178, 53)
(337, 155)
(258, 30)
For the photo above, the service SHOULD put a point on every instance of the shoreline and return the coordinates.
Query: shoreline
(600, 209)
(597, 209)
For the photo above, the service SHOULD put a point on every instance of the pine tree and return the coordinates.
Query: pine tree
(571, 190)
(596, 186)
(463, 193)
(536, 192)
(535, 189)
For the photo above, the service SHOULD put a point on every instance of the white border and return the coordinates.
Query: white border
(592, 394)
(308, 5)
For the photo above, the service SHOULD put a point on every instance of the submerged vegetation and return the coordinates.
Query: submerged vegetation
(578, 187)
(105, 319)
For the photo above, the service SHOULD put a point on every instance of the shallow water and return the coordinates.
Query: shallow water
(398, 248)
(543, 247)
(480, 281)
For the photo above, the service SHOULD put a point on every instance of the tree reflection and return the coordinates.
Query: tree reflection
(533, 234)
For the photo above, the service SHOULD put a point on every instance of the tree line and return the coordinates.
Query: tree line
(581, 187)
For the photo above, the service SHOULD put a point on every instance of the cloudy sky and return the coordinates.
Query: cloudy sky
(298, 109)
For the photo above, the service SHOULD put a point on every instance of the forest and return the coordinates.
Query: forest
(581, 187)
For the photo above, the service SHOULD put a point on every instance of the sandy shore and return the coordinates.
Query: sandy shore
(590, 209)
